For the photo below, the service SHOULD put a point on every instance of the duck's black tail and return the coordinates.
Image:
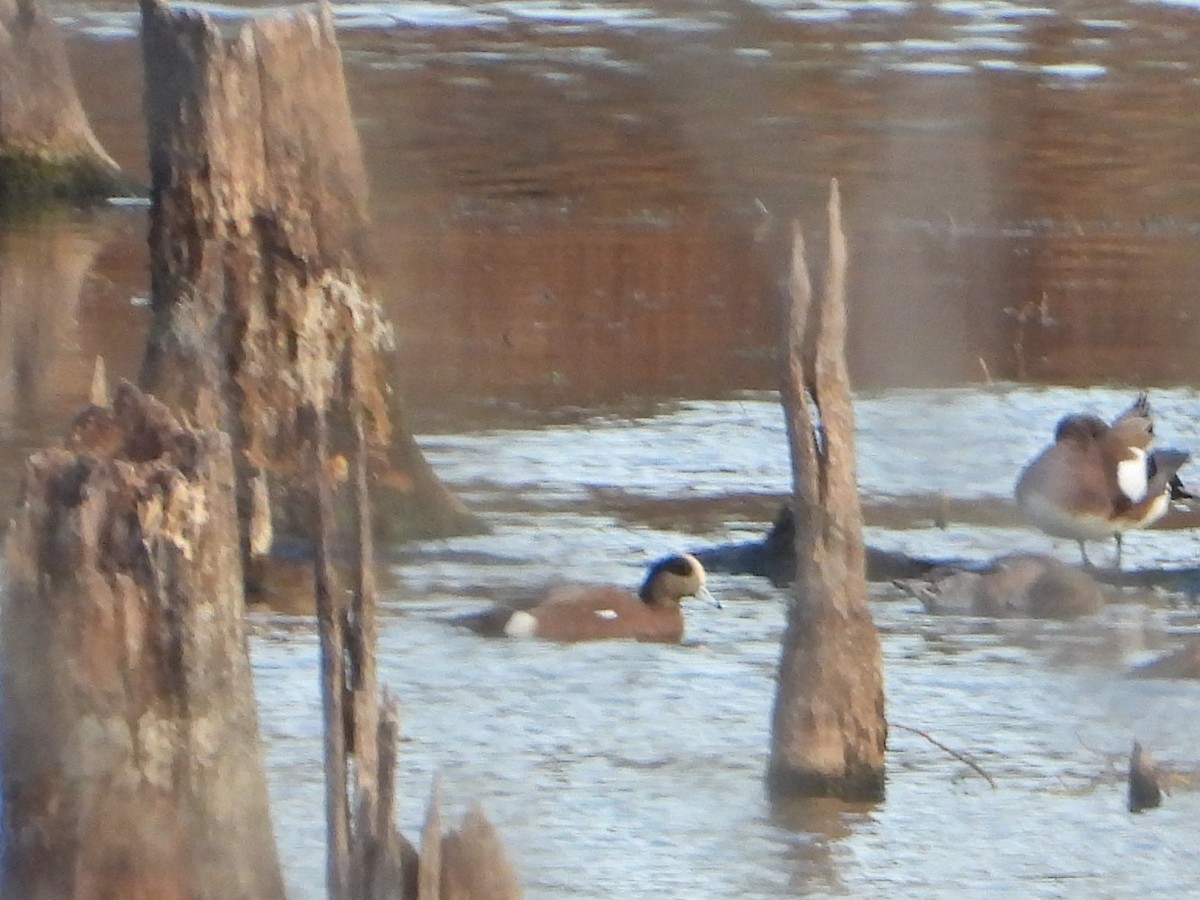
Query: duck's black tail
(1178, 491)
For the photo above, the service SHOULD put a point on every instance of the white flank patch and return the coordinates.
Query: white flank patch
(607, 614)
(1131, 475)
(1157, 510)
(521, 625)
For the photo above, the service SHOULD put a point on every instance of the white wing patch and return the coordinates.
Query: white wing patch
(1132, 476)
(606, 614)
(521, 625)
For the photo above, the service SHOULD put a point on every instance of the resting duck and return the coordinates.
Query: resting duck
(1022, 585)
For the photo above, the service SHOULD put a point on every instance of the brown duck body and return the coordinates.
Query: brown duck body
(594, 612)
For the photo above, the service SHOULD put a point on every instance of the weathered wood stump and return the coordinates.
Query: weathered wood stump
(264, 327)
(1144, 791)
(829, 733)
(47, 148)
(133, 766)
(475, 865)
(258, 243)
(467, 863)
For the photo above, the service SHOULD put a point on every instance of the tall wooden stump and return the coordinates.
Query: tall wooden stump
(132, 764)
(829, 732)
(47, 148)
(258, 236)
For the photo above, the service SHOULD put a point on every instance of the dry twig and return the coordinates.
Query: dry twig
(961, 757)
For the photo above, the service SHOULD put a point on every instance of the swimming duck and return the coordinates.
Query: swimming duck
(591, 612)
(1098, 480)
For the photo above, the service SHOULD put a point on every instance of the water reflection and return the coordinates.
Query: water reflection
(812, 830)
(42, 270)
(568, 197)
(550, 313)
(968, 196)
(64, 300)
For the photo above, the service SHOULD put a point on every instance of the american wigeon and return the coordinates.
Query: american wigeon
(592, 612)
(1098, 480)
(1136, 425)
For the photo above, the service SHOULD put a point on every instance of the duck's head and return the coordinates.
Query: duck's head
(1080, 427)
(1133, 431)
(672, 579)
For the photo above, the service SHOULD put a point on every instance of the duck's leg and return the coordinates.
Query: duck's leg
(1087, 563)
(1118, 538)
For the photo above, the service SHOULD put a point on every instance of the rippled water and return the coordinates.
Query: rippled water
(577, 205)
(630, 770)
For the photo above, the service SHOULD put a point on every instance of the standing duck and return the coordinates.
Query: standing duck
(1098, 480)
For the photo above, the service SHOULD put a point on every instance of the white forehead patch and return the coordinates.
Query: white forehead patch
(1132, 475)
(521, 625)
(606, 614)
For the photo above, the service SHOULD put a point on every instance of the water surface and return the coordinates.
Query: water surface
(625, 770)
(580, 215)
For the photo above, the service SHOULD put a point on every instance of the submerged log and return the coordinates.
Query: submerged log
(133, 766)
(829, 731)
(47, 148)
(259, 242)
(774, 557)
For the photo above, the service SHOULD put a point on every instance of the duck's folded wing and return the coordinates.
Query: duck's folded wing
(590, 612)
